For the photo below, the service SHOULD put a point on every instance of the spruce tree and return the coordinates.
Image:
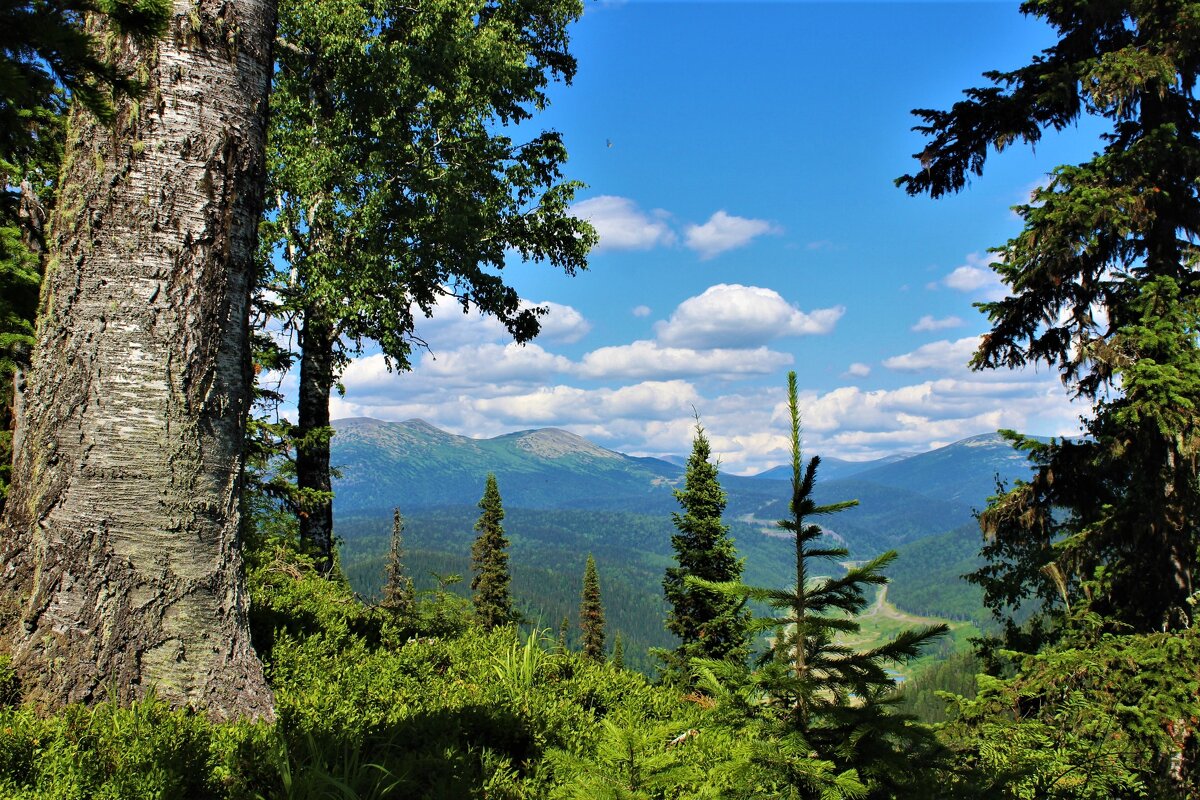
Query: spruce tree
(591, 613)
(1102, 287)
(399, 596)
(563, 631)
(618, 653)
(818, 713)
(710, 624)
(489, 560)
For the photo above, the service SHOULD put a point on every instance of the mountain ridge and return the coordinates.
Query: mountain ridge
(415, 465)
(566, 497)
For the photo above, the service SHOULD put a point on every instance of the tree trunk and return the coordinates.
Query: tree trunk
(312, 448)
(122, 571)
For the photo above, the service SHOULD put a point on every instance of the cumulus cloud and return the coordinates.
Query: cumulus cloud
(928, 323)
(967, 279)
(621, 225)
(550, 405)
(724, 232)
(562, 323)
(368, 373)
(469, 367)
(493, 363)
(643, 359)
(449, 326)
(941, 355)
(641, 311)
(567, 406)
(977, 277)
(858, 370)
(732, 316)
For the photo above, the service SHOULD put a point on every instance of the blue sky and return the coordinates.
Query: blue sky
(739, 161)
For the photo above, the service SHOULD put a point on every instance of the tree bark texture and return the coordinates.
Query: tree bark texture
(312, 452)
(121, 569)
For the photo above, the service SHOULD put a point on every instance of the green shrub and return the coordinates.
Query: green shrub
(110, 753)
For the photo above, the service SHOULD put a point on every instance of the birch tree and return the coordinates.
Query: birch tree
(121, 564)
(397, 179)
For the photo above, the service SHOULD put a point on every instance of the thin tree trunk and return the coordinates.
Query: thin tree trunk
(122, 571)
(312, 450)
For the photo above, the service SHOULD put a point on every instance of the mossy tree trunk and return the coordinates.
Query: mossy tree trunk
(121, 562)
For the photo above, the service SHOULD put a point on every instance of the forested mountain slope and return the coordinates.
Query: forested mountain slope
(415, 466)
(567, 497)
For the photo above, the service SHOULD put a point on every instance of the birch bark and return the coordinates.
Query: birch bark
(121, 566)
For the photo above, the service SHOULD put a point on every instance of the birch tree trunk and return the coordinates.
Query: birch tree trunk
(121, 568)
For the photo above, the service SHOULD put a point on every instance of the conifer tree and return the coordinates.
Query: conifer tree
(710, 624)
(819, 712)
(591, 613)
(563, 631)
(1103, 288)
(489, 560)
(399, 596)
(618, 653)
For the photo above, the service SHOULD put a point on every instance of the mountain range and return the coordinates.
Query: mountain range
(416, 466)
(566, 497)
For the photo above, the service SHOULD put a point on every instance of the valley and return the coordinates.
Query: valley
(566, 497)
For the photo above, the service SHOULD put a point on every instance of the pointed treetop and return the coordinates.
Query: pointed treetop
(489, 559)
(591, 613)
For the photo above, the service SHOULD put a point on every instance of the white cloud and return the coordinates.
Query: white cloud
(645, 359)
(651, 400)
(968, 279)
(368, 373)
(493, 363)
(562, 323)
(928, 323)
(977, 277)
(940, 355)
(724, 232)
(732, 315)
(449, 326)
(858, 370)
(621, 225)
(641, 311)
(556, 405)
(569, 406)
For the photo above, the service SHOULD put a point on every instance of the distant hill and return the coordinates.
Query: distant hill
(832, 468)
(566, 496)
(417, 466)
(965, 471)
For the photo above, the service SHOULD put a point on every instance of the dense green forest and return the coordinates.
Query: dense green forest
(176, 620)
(928, 576)
(547, 572)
